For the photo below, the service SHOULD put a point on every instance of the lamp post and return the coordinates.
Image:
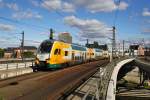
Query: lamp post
(113, 51)
(22, 45)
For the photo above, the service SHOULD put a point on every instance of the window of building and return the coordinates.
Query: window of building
(66, 53)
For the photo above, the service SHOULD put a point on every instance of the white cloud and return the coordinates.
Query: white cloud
(51, 4)
(35, 3)
(32, 43)
(1, 3)
(68, 7)
(6, 27)
(58, 5)
(88, 28)
(123, 6)
(13, 6)
(46, 33)
(100, 5)
(146, 12)
(27, 15)
(92, 6)
(147, 41)
(4, 43)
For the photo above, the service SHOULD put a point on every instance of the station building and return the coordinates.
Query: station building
(65, 37)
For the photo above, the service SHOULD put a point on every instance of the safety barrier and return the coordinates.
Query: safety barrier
(15, 64)
(106, 80)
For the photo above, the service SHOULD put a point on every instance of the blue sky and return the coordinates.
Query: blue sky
(92, 19)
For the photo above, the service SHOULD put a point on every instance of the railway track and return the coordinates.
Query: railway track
(48, 85)
(78, 83)
(16, 79)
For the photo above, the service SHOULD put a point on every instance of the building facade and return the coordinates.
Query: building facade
(147, 50)
(141, 50)
(120, 50)
(15, 52)
(65, 37)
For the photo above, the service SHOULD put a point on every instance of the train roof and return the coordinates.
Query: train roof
(98, 50)
(73, 45)
(78, 47)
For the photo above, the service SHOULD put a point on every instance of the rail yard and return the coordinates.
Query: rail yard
(74, 50)
(48, 84)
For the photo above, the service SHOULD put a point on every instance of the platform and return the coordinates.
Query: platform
(14, 72)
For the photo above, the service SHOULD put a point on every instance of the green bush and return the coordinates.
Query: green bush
(1, 53)
(28, 54)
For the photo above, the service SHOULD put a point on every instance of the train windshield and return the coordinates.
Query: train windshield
(45, 47)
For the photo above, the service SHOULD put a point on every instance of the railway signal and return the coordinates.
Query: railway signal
(51, 34)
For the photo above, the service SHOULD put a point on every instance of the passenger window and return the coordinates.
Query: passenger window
(76, 58)
(66, 53)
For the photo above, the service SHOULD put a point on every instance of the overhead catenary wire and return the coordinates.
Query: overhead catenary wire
(23, 23)
(13, 35)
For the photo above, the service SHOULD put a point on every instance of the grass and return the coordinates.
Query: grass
(1, 98)
(146, 86)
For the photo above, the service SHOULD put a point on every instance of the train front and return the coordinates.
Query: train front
(43, 55)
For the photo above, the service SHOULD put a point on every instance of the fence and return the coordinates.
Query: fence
(15, 64)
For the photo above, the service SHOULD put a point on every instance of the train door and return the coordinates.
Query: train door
(85, 55)
(73, 56)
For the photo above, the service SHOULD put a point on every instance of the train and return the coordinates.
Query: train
(54, 54)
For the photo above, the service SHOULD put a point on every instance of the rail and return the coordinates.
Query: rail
(79, 83)
(95, 94)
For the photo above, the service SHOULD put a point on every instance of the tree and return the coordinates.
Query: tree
(28, 54)
(1, 53)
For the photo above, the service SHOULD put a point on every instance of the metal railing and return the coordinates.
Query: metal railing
(105, 78)
(94, 94)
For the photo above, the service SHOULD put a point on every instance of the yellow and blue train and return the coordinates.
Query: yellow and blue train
(53, 54)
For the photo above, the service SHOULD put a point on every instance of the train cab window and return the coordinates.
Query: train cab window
(45, 47)
(56, 51)
(59, 51)
(66, 53)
